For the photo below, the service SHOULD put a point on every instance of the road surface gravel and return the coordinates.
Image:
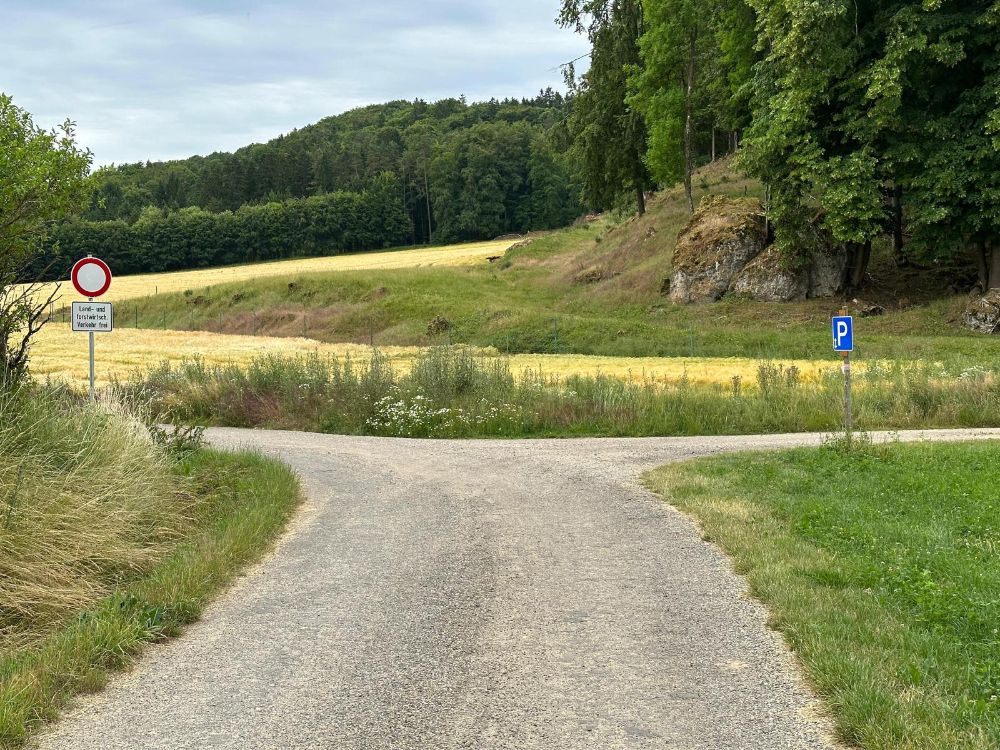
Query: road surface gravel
(486, 595)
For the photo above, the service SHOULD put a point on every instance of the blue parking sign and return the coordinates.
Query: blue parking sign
(843, 334)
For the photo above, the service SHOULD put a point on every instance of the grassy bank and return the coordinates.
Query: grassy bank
(880, 566)
(455, 393)
(590, 289)
(111, 539)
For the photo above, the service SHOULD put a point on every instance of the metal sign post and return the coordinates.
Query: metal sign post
(91, 277)
(93, 392)
(843, 342)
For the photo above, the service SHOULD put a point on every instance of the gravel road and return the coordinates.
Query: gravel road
(490, 595)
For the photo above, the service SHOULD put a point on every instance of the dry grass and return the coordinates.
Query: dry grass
(61, 354)
(87, 499)
(132, 287)
(111, 537)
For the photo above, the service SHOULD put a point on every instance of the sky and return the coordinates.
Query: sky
(164, 79)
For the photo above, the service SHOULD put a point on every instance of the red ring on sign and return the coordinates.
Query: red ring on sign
(80, 265)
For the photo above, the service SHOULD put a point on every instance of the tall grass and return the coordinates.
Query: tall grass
(453, 392)
(111, 535)
(87, 499)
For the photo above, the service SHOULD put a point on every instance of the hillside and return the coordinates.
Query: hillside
(431, 148)
(594, 288)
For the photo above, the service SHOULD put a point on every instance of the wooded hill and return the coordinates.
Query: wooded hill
(384, 175)
(866, 121)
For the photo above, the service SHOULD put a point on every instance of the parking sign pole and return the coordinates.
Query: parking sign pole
(848, 395)
(848, 399)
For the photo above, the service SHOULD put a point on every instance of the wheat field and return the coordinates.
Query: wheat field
(146, 285)
(60, 354)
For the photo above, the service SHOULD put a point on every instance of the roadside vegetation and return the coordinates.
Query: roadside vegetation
(879, 565)
(113, 534)
(452, 392)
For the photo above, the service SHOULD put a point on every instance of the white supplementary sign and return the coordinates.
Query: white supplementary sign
(93, 317)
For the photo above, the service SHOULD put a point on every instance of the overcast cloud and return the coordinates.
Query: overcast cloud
(161, 79)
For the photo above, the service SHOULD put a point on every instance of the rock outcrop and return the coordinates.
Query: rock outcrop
(828, 272)
(722, 237)
(767, 279)
(982, 314)
(724, 248)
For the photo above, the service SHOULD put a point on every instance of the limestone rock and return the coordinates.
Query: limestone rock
(867, 309)
(828, 273)
(982, 314)
(590, 275)
(722, 237)
(766, 279)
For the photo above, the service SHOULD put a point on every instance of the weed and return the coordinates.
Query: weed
(459, 392)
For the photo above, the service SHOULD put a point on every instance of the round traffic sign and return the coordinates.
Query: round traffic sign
(91, 277)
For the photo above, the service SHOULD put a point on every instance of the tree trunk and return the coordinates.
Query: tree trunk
(688, 124)
(859, 256)
(427, 196)
(982, 265)
(897, 226)
(991, 251)
(640, 195)
(406, 207)
(713, 144)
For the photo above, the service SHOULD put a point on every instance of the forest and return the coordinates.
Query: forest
(384, 175)
(866, 121)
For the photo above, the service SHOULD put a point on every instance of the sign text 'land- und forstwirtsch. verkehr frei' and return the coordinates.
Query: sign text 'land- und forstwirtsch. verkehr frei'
(96, 317)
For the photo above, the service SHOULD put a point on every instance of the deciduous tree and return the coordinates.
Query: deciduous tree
(41, 180)
(609, 134)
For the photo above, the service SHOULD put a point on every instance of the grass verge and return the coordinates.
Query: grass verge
(111, 541)
(452, 392)
(879, 564)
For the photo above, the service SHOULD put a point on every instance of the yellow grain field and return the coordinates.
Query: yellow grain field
(62, 355)
(130, 287)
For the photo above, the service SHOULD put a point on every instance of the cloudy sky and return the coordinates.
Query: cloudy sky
(159, 79)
